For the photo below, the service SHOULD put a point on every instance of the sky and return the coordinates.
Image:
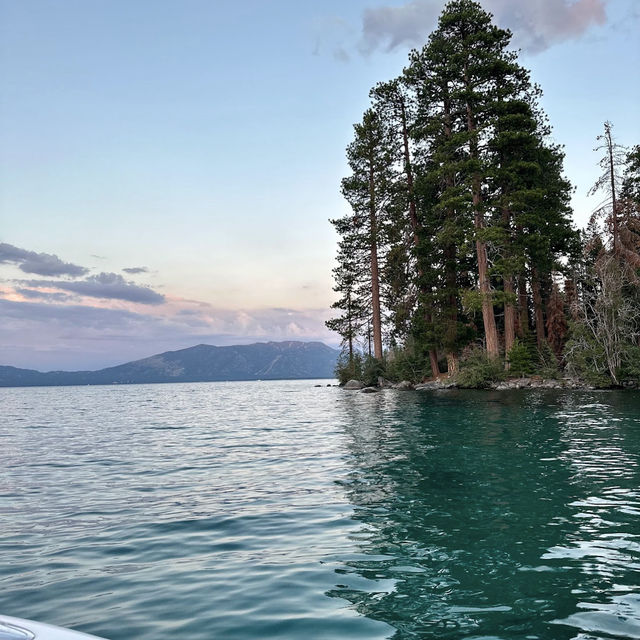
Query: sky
(168, 167)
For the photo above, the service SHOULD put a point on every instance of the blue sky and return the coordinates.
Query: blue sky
(202, 144)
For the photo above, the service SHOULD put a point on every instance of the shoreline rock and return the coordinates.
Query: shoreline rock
(511, 384)
(541, 383)
(436, 385)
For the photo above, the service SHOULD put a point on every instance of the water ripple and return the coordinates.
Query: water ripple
(280, 510)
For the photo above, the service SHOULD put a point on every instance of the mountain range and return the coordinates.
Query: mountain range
(202, 363)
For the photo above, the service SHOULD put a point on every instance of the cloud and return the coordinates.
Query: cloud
(536, 24)
(135, 270)
(43, 295)
(73, 316)
(42, 264)
(391, 27)
(110, 286)
(540, 24)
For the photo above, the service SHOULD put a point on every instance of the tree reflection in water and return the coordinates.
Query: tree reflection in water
(493, 514)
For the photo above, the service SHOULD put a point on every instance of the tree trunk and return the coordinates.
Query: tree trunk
(450, 264)
(571, 297)
(452, 363)
(614, 201)
(537, 306)
(488, 317)
(523, 307)
(375, 277)
(450, 255)
(507, 279)
(509, 315)
(350, 332)
(413, 215)
(433, 360)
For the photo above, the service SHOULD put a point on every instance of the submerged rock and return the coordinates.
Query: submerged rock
(371, 390)
(353, 385)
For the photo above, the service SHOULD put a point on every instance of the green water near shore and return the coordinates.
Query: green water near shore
(279, 510)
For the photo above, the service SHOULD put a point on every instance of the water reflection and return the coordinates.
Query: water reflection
(494, 515)
(599, 447)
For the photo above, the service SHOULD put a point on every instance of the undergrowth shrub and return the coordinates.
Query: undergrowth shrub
(407, 363)
(520, 360)
(548, 365)
(348, 370)
(478, 371)
(372, 370)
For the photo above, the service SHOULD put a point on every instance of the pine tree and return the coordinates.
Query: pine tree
(515, 146)
(546, 232)
(368, 190)
(395, 105)
(478, 72)
(348, 276)
(609, 182)
(447, 202)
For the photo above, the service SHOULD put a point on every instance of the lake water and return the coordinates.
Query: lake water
(251, 511)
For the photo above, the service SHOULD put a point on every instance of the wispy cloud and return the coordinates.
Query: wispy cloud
(42, 264)
(135, 270)
(540, 24)
(108, 286)
(536, 24)
(35, 294)
(390, 27)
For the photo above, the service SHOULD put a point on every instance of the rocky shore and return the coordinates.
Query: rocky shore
(504, 385)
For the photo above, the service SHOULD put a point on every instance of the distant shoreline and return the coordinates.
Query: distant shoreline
(288, 360)
(131, 384)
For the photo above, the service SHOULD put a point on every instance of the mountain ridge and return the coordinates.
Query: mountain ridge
(289, 359)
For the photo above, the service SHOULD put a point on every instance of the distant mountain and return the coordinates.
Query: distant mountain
(202, 363)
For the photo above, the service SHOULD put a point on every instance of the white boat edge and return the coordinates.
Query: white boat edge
(21, 629)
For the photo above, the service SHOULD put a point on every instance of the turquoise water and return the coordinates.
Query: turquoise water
(221, 511)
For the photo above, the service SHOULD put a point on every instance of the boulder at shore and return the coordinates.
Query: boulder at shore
(354, 385)
(436, 384)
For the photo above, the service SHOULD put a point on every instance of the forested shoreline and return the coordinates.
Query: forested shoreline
(459, 257)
